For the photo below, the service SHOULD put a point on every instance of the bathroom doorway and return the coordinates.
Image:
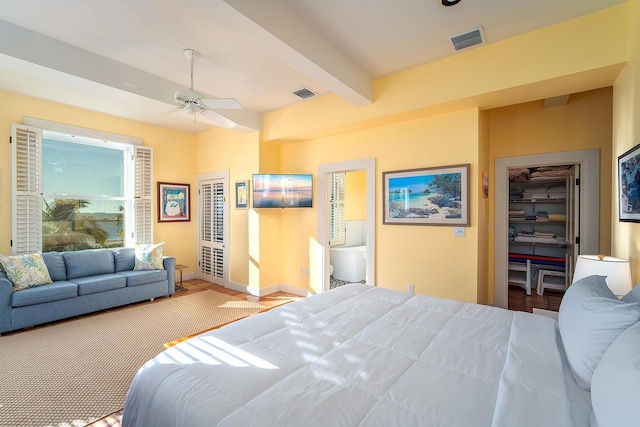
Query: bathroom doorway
(360, 228)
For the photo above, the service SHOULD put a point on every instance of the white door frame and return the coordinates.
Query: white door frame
(224, 176)
(589, 161)
(369, 166)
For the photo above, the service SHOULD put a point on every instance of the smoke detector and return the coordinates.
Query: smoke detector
(468, 39)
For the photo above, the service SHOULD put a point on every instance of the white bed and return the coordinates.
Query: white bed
(365, 356)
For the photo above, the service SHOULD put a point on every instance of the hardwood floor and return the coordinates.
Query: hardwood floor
(519, 301)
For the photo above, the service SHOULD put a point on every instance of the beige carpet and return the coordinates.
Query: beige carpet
(72, 373)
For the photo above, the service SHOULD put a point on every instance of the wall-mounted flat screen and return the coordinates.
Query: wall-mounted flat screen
(282, 190)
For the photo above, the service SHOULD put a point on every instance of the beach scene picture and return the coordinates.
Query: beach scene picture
(282, 191)
(427, 196)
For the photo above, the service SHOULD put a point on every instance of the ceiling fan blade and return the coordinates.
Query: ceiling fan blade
(222, 104)
(219, 119)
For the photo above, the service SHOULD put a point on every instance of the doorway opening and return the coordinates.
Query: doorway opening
(544, 217)
(589, 220)
(365, 229)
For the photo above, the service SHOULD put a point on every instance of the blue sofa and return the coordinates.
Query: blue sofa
(83, 282)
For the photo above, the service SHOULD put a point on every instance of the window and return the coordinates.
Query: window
(337, 226)
(74, 192)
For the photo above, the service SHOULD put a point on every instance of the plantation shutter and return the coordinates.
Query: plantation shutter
(212, 224)
(26, 194)
(143, 196)
(337, 226)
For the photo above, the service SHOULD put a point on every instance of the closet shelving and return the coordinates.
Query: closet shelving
(541, 233)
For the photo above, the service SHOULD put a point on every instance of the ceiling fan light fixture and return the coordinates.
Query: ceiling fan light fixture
(191, 109)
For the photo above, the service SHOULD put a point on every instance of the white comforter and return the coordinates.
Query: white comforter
(360, 356)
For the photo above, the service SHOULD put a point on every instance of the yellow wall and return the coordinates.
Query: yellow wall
(174, 154)
(484, 222)
(625, 237)
(355, 198)
(219, 150)
(428, 256)
(585, 122)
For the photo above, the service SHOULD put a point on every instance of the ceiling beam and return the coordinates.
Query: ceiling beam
(35, 48)
(279, 31)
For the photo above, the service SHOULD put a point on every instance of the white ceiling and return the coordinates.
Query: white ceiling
(125, 57)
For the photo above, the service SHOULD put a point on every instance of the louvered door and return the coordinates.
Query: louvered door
(26, 212)
(213, 250)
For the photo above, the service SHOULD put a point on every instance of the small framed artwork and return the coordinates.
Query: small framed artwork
(427, 196)
(173, 202)
(629, 185)
(242, 195)
(485, 185)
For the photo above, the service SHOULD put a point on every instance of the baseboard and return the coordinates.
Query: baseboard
(261, 292)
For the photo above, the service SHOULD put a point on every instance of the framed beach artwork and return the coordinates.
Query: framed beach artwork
(173, 202)
(427, 196)
(242, 195)
(629, 185)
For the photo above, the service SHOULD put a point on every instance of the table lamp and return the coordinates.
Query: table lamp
(616, 270)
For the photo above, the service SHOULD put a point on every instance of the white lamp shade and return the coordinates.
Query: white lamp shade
(616, 270)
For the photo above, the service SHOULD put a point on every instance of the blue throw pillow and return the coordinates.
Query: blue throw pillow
(615, 386)
(589, 320)
(633, 295)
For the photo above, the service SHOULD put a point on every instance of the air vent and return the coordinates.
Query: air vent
(468, 39)
(304, 93)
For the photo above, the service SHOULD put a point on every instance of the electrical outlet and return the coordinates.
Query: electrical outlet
(458, 231)
(410, 288)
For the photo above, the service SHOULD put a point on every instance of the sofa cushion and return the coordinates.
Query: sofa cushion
(55, 265)
(136, 278)
(55, 291)
(149, 257)
(25, 271)
(89, 262)
(100, 283)
(124, 258)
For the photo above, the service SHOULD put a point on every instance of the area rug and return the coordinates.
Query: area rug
(75, 372)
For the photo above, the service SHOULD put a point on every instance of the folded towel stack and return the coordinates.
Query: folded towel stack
(557, 217)
(542, 216)
(557, 193)
(534, 193)
(517, 214)
(515, 194)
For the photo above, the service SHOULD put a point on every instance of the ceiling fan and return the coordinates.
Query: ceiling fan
(194, 102)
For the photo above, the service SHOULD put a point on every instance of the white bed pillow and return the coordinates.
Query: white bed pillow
(615, 386)
(590, 318)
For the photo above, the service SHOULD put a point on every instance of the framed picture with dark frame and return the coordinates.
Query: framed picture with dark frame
(173, 202)
(629, 185)
(242, 195)
(427, 196)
